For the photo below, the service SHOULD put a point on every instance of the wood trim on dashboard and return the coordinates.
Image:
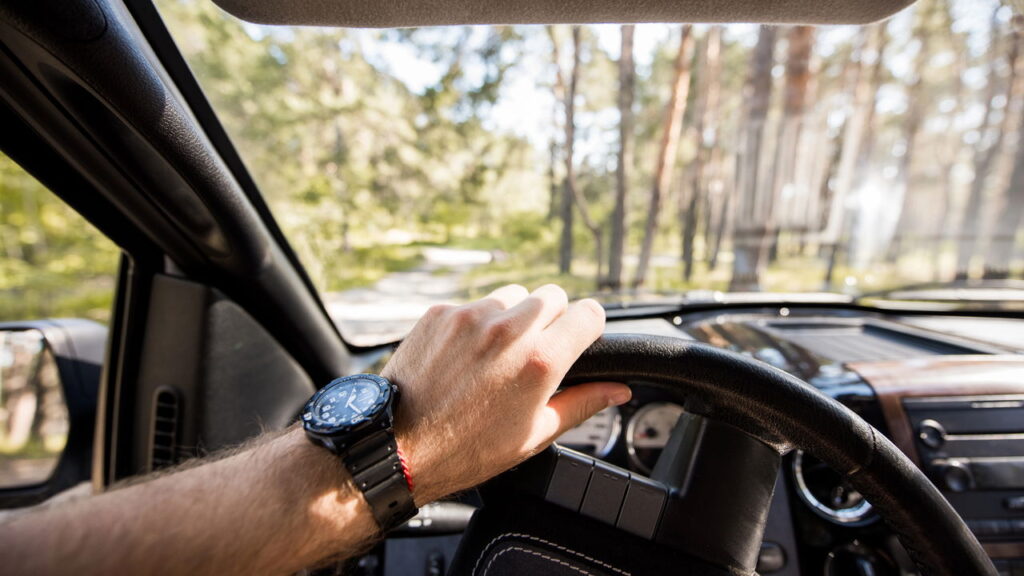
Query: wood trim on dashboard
(1004, 549)
(893, 381)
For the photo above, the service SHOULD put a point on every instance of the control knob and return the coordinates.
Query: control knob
(954, 475)
(931, 434)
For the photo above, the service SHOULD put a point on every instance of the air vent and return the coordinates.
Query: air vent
(165, 429)
(828, 494)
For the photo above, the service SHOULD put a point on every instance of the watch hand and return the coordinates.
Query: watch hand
(349, 403)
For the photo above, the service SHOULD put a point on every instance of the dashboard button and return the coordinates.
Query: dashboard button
(771, 558)
(642, 506)
(1015, 503)
(569, 480)
(605, 492)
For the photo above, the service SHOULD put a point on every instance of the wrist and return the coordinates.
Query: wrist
(415, 470)
(332, 508)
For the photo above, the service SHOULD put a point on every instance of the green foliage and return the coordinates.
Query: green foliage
(345, 153)
(52, 262)
(362, 166)
(364, 266)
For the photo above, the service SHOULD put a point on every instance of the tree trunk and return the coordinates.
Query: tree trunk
(751, 201)
(553, 184)
(861, 111)
(705, 131)
(565, 246)
(667, 153)
(985, 154)
(571, 190)
(865, 153)
(627, 78)
(798, 87)
(720, 225)
(912, 119)
(565, 207)
(1001, 246)
(950, 152)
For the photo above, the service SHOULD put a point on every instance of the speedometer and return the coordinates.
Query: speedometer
(648, 432)
(595, 436)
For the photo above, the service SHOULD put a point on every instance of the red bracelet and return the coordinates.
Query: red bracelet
(405, 468)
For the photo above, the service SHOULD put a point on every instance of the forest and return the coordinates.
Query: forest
(614, 160)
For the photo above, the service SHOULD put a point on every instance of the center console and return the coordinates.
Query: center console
(961, 419)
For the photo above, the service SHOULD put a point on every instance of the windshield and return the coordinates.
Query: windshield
(409, 167)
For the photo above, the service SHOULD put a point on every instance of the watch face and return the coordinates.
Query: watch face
(345, 403)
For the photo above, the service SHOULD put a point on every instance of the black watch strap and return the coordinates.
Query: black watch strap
(377, 471)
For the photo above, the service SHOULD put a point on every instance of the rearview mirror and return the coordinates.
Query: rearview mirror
(33, 412)
(49, 380)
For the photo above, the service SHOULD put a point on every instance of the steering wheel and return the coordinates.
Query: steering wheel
(705, 508)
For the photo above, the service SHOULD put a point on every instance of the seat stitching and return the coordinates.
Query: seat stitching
(542, 541)
(534, 553)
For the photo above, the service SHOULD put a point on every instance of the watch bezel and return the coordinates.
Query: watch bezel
(372, 415)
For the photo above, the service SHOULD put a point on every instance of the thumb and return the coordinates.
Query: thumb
(572, 406)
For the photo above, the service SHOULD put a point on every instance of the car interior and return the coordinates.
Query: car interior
(768, 433)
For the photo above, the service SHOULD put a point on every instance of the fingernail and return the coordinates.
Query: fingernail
(619, 398)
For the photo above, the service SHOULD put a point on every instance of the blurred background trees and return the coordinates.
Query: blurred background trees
(653, 158)
(52, 263)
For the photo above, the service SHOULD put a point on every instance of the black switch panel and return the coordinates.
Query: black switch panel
(606, 493)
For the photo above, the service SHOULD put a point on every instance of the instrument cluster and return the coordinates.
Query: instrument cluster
(632, 436)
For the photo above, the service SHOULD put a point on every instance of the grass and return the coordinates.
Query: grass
(481, 281)
(364, 266)
(35, 447)
(799, 273)
(90, 298)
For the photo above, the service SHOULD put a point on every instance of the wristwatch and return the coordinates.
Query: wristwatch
(353, 418)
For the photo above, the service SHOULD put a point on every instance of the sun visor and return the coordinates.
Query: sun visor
(414, 13)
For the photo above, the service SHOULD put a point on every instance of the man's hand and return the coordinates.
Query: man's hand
(477, 384)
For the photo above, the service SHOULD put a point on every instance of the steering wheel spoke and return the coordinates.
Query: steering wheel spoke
(721, 484)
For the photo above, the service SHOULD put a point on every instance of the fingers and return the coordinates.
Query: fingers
(572, 406)
(504, 298)
(543, 306)
(571, 333)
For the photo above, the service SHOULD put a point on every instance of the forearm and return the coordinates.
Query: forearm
(478, 396)
(276, 508)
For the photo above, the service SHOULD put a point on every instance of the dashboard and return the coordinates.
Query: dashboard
(947, 390)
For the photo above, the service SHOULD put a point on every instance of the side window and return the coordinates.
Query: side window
(57, 284)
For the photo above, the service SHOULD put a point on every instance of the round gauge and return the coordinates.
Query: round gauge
(648, 432)
(596, 436)
(827, 492)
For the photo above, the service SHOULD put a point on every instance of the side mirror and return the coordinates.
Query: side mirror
(49, 383)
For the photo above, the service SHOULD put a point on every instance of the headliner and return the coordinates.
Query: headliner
(401, 14)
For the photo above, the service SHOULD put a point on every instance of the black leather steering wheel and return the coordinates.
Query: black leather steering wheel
(780, 413)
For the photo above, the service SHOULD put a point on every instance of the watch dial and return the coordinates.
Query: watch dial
(346, 404)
